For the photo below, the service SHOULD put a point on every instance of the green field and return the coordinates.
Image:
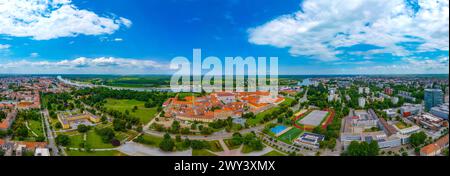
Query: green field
(95, 141)
(260, 116)
(144, 114)
(92, 139)
(36, 126)
(229, 145)
(75, 140)
(202, 152)
(215, 146)
(95, 153)
(290, 135)
(274, 153)
(151, 140)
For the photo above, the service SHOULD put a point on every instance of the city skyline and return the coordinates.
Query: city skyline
(349, 38)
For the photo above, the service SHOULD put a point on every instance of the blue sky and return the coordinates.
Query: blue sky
(141, 37)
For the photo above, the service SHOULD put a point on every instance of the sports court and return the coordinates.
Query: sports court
(314, 118)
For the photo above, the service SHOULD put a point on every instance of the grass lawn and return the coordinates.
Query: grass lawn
(215, 146)
(229, 145)
(402, 125)
(75, 140)
(144, 114)
(274, 153)
(246, 149)
(261, 115)
(202, 152)
(95, 141)
(290, 135)
(151, 140)
(36, 126)
(130, 134)
(95, 153)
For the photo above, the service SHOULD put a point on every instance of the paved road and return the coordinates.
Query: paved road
(135, 149)
(50, 137)
(305, 97)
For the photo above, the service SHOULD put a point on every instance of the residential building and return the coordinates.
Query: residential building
(360, 90)
(388, 90)
(361, 102)
(435, 148)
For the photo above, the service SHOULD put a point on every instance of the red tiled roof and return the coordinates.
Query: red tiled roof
(439, 144)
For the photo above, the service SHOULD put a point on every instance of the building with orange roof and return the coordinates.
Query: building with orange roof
(220, 105)
(6, 123)
(435, 148)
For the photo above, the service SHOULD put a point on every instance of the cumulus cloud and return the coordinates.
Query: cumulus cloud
(34, 55)
(4, 46)
(101, 65)
(50, 19)
(407, 66)
(321, 27)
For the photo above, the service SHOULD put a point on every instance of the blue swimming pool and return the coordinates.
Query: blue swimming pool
(278, 129)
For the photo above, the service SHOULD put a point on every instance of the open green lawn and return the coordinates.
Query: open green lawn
(151, 140)
(274, 153)
(229, 145)
(290, 135)
(215, 146)
(402, 125)
(75, 140)
(130, 134)
(36, 126)
(261, 115)
(246, 149)
(144, 114)
(92, 139)
(95, 141)
(95, 153)
(202, 152)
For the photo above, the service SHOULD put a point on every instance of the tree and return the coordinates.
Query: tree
(82, 128)
(167, 144)
(175, 127)
(2, 115)
(40, 139)
(362, 149)
(58, 125)
(63, 140)
(107, 134)
(417, 139)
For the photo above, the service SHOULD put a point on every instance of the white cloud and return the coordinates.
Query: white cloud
(322, 27)
(118, 39)
(34, 55)
(407, 66)
(49, 19)
(101, 65)
(4, 46)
